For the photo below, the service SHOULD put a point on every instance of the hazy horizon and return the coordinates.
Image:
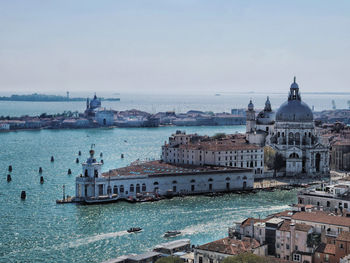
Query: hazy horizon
(167, 47)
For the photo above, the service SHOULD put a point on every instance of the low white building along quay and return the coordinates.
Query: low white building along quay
(154, 179)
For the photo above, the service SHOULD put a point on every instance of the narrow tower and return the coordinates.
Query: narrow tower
(251, 122)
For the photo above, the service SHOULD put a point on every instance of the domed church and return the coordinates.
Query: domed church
(291, 132)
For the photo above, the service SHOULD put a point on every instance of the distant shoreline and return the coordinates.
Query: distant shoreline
(48, 98)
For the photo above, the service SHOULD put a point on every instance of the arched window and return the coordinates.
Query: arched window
(244, 177)
(293, 155)
(96, 173)
(86, 173)
(109, 190)
(143, 187)
(131, 188)
(297, 138)
(115, 189)
(210, 180)
(174, 182)
(138, 189)
(228, 179)
(290, 138)
(155, 183)
(193, 181)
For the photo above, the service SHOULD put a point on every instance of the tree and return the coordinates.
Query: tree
(169, 260)
(219, 135)
(269, 157)
(279, 162)
(245, 258)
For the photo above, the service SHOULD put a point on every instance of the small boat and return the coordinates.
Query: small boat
(172, 233)
(101, 199)
(134, 229)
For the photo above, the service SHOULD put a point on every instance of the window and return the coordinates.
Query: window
(296, 247)
(287, 246)
(341, 246)
(121, 189)
(143, 187)
(200, 259)
(211, 260)
(296, 257)
(131, 188)
(115, 189)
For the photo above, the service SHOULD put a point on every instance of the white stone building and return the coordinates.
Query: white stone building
(291, 132)
(104, 117)
(231, 150)
(159, 178)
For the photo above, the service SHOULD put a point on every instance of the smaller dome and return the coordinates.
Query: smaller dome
(294, 85)
(250, 105)
(266, 116)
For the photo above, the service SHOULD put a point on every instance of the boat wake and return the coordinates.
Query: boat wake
(91, 239)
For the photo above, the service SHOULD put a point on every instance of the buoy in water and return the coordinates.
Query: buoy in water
(9, 179)
(122, 155)
(10, 168)
(40, 170)
(101, 154)
(101, 161)
(77, 160)
(23, 195)
(52, 159)
(79, 153)
(69, 171)
(41, 179)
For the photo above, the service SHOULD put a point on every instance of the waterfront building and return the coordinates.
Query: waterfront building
(173, 247)
(4, 126)
(291, 133)
(147, 257)
(159, 178)
(332, 197)
(227, 150)
(104, 117)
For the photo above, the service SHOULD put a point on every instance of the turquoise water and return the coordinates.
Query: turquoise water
(38, 230)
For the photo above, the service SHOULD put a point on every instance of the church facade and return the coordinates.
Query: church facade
(291, 133)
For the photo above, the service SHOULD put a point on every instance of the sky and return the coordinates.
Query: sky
(173, 46)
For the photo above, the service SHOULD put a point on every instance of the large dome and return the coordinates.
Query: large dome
(294, 110)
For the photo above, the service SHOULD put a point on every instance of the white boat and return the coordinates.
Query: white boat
(172, 233)
(101, 199)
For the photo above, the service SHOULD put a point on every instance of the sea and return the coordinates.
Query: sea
(39, 230)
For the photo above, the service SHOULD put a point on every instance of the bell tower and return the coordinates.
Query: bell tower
(92, 168)
(251, 121)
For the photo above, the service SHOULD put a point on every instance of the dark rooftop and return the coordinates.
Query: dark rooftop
(159, 168)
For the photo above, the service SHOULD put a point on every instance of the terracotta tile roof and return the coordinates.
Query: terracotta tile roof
(320, 217)
(344, 236)
(231, 246)
(283, 214)
(326, 249)
(285, 226)
(249, 221)
(302, 227)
